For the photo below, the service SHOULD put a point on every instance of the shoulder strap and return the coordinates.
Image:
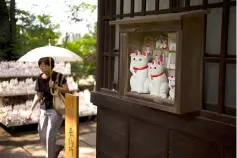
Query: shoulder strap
(57, 79)
(63, 76)
(56, 82)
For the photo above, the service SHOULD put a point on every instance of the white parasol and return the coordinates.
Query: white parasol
(57, 53)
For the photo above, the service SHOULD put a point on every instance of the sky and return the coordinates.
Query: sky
(59, 11)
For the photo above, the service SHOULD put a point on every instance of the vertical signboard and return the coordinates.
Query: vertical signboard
(71, 126)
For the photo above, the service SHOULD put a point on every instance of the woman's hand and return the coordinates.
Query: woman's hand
(51, 84)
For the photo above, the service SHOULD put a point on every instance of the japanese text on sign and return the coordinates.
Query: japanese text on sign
(70, 141)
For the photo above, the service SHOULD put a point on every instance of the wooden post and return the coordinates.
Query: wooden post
(71, 126)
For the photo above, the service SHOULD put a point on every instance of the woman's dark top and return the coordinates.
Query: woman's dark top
(42, 85)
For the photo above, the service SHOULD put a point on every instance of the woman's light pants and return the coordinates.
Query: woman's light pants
(49, 123)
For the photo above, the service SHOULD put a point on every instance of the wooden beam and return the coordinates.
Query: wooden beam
(159, 18)
(143, 7)
(100, 46)
(223, 54)
(121, 8)
(71, 126)
(157, 3)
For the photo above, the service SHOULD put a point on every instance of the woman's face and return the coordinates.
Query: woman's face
(44, 68)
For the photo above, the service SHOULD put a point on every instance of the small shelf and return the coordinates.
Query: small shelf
(12, 95)
(7, 77)
(13, 124)
(17, 125)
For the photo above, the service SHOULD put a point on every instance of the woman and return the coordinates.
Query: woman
(50, 121)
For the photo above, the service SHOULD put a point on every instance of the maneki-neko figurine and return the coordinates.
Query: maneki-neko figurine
(139, 81)
(157, 78)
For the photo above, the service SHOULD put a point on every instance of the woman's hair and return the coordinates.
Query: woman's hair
(46, 61)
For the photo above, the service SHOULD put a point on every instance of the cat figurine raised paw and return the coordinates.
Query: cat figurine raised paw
(139, 81)
(157, 78)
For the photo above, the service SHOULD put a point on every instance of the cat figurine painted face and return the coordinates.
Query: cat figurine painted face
(157, 78)
(138, 61)
(155, 68)
(139, 68)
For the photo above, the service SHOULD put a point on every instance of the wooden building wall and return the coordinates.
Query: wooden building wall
(127, 129)
(130, 130)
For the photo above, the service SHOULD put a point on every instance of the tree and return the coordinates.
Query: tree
(12, 10)
(77, 9)
(86, 46)
(21, 31)
(34, 31)
(75, 16)
(7, 30)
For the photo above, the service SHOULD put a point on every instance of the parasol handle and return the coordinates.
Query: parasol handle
(50, 69)
(50, 76)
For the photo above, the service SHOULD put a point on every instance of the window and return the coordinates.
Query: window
(195, 2)
(220, 42)
(220, 59)
(213, 31)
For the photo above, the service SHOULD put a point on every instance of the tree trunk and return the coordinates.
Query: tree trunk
(4, 30)
(13, 20)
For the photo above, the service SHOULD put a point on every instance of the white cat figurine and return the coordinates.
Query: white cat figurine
(139, 81)
(172, 87)
(157, 78)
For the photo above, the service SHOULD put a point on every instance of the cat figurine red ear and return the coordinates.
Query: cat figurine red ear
(137, 53)
(159, 62)
(153, 62)
(144, 53)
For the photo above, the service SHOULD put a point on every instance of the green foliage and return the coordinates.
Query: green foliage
(77, 9)
(84, 47)
(34, 31)
(83, 69)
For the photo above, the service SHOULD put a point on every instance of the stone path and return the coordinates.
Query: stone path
(26, 144)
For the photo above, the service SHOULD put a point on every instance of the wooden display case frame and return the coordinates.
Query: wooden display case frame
(189, 28)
